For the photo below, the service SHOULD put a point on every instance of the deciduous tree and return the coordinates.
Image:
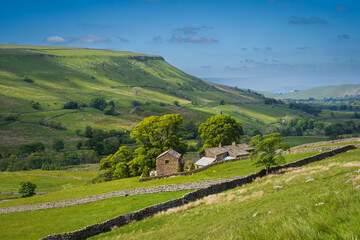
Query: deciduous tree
(267, 151)
(222, 129)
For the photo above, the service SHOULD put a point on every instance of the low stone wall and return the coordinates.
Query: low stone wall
(144, 179)
(327, 142)
(121, 220)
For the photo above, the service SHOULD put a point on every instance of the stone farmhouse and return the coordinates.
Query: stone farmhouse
(221, 153)
(168, 162)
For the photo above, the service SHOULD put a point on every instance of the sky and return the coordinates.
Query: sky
(269, 45)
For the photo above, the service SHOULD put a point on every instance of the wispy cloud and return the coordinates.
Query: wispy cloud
(177, 38)
(302, 48)
(300, 20)
(190, 30)
(54, 39)
(124, 40)
(341, 8)
(157, 39)
(91, 39)
(343, 37)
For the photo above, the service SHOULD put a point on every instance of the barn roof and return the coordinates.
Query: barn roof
(171, 152)
(204, 161)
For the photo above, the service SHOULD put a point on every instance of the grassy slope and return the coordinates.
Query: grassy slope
(62, 74)
(326, 207)
(323, 92)
(57, 220)
(227, 170)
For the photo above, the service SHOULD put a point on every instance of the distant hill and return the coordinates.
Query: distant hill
(341, 91)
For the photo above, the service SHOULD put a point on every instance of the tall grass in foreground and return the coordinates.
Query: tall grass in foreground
(318, 201)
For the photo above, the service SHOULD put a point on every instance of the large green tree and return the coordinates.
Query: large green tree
(267, 151)
(116, 165)
(222, 129)
(156, 134)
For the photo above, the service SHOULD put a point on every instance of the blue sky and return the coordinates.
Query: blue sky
(257, 44)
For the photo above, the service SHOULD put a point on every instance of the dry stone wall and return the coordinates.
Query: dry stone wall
(121, 220)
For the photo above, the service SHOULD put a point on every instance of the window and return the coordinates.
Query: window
(167, 161)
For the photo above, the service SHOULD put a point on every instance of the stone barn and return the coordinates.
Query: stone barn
(168, 162)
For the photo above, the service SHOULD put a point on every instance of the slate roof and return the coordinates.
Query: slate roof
(204, 161)
(171, 152)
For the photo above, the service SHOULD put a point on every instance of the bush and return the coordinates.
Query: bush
(192, 166)
(136, 103)
(58, 145)
(32, 147)
(11, 118)
(98, 103)
(35, 105)
(71, 105)
(176, 103)
(27, 189)
(29, 80)
(109, 110)
(222, 102)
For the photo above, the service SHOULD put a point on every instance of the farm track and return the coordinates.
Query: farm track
(122, 193)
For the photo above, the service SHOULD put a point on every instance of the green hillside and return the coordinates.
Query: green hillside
(341, 91)
(317, 201)
(37, 81)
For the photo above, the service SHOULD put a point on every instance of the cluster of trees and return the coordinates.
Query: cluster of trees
(108, 108)
(300, 127)
(334, 130)
(309, 126)
(104, 142)
(36, 156)
(305, 108)
(157, 134)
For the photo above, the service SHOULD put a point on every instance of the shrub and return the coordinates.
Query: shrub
(11, 118)
(71, 105)
(58, 145)
(146, 172)
(222, 102)
(35, 105)
(32, 147)
(176, 103)
(98, 103)
(192, 166)
(28, 80)
(27, 189)
(109, 110)
(136, 103)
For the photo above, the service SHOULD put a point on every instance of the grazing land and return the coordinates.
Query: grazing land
(317, 201)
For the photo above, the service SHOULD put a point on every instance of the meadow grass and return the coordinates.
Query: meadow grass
(295, 141)
(6, 196)
(226, 170)
(10, 182)
(316, 201)
(37, 224)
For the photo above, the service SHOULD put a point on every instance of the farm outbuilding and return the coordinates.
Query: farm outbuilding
(168, 162)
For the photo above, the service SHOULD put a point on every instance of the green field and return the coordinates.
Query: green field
(312, 202)
(295, 141)
(226, 170)
(57, 220)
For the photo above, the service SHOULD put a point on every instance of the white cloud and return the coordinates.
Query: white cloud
(55, 39)
(91, 39)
